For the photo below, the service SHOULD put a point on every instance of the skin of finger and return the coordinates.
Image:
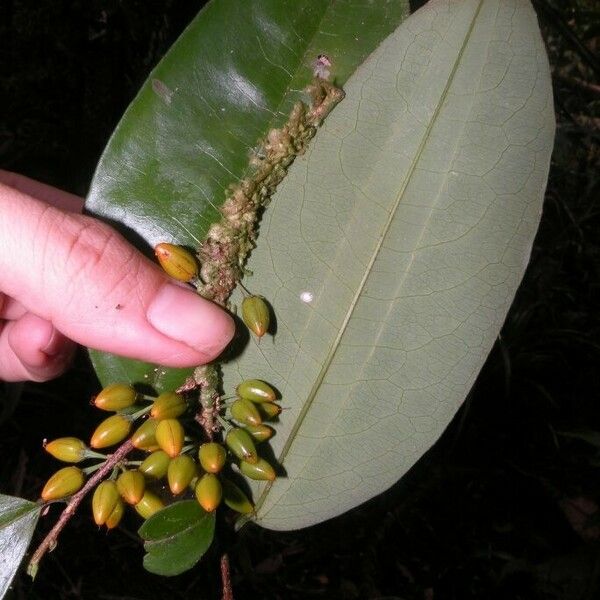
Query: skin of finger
(41, 191)
(21, 350)
(94, 286)
(10, 309)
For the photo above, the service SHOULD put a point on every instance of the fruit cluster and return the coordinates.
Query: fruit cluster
(162, 428)
(172, 452)
(204, 465)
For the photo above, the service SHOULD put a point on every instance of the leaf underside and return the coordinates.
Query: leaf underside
(233, 75)
(393, 249)
(18, 519)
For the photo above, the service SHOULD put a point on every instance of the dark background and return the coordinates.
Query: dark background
(503, 507)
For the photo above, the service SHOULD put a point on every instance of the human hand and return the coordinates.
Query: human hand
(66, 278)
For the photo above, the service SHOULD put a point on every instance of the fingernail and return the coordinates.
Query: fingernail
(184, 316)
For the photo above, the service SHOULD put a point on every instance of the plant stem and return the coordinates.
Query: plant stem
(50, 541)
(207, 379)
(226, 578)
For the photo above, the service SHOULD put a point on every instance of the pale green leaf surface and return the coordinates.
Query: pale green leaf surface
(18, 519)
(409, 223)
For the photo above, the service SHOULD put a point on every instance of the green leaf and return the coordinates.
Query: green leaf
(232, 76)
(176, 537)
(18, 519)
(393, 249)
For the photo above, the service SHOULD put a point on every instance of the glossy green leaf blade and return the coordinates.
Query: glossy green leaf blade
(232, 76)
(393, 250)
(176, 537)
(18, 519)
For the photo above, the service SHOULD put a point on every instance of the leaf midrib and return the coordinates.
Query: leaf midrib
(172, 536)
(18, 514)
(333, 350)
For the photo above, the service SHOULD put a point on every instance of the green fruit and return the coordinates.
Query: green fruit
(116, 515)
(155, 466)
(104, 500)
(132, 485)
(255, 314)
(170, 436)
(144, 436)
(181, 471)
(212, 457)
(235, 498)
(176, 261)
(243, 411)
(116, 396)
(241, 444)
(63, 483)
(209, 492)
(269, 410)
(256, 390)
(260, 433)
(261, 470)
(111, 431)
(168, 405)
(67, 449)
(149, 504)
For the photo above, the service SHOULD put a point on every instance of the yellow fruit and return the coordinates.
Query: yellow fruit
(212, 457)
(241, 444)
(131, 486)
(209, 492)
(255, 314)
(261, 470)
(144, 436)
(67, 449)
(244, 412)
(63, 483)
(256, 390)
(176, 261)
(181, 471)
(116, 396)
(155, 466)
(260, 433)
(170, 436)
(149, 504)
(111, 431)
(116, 515)
(104, 500)
(168, 405)
(235, 498)
(269, 410)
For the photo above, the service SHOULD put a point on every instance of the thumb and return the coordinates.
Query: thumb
(98, 290)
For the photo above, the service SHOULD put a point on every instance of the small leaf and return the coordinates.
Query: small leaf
(18, 519)
(176, 537)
